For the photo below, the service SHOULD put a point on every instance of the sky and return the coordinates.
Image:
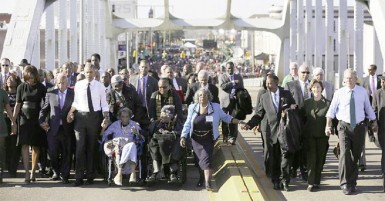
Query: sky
(191, 9)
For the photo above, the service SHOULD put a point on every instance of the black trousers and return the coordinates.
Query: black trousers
(351, 142)
(278, 163)
(316, 149)
(12, 151)
(230, 130)
(59, 150)
(87, 130)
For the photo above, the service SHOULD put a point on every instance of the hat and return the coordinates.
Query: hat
(23, 62)
(382, 77)
(116, 79)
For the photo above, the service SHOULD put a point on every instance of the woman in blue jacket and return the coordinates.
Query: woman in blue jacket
(201, 126)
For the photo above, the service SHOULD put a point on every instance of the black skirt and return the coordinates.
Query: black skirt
(202, 142)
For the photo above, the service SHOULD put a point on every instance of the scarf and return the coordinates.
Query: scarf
(159, 105)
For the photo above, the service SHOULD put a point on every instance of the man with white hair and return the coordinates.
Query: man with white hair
(293, 75)
(203, 78)
(350, 105)
(319, 74)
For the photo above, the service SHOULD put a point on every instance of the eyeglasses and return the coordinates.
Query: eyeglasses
(163, 87)
(4, 65)
(307, 72)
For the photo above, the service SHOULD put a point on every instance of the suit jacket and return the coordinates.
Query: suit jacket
(295, 89)
(268, 117)
(366, 85)
(378, 105)
(328, 91)
(182, 83)
(72, 80)
(151, 87)
(225, 86)
(315, 117)
(131, 100)
(52, 109)
(194, 88)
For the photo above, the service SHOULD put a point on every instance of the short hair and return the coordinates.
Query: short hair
(350, 70)
(30, 72)
(169, 110)
(315, 81)
(274, 78)
(90, 65)
(317, 70)
(96, 55)
(374, 66)
(303, 66)
(41, 71)
(203, 73)
(205, 91)
(230, 63)
(125, 110)
(166, 80)
(68, 64)
(6, 59)
(293, 64)
(144, 62)
(59, 77)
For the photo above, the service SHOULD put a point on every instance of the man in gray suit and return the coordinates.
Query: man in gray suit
(268, 113)
(203, 78)
(144, 84)
(57, 104)
(378, 104)
(300, 92)
(371, 83)
(318, 74)
(229, 82)
(4, 65)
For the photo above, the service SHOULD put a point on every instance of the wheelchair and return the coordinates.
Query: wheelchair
(112, 166)
(162, 140)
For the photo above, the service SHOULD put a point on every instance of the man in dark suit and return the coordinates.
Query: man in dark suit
(229, 82)
(269, 111)
(371, 83)
(67, 69)
(57, 103)
(178, 83)
(300, 92)
(378, 104)
(203, 78)
(143, 79)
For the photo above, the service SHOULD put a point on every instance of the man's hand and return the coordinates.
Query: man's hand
(374, 126)
(105, 123)
(236, 81)
(14, 128)
(70, 117)
(245, 127)
(183, 142)
(329, 131)
(293, 106)
(44, 126)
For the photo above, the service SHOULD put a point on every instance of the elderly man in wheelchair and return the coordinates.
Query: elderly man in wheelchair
(122, 140)
(163, 145)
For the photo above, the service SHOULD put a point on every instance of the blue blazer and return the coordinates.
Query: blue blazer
(214, 110)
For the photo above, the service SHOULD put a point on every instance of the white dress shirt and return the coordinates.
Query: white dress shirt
(371, 83)
(98, 96)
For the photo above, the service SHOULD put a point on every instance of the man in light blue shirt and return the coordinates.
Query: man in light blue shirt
(350, 105)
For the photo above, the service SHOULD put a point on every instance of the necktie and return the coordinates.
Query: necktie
(276, 102)
(352, 110)
(306, 91)
(61, 101)
(373, 87)
(90, 106)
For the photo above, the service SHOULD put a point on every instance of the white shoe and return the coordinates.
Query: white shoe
(133, 177)
(118, 180)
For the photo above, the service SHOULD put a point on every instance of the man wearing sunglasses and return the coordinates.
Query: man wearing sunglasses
(5, 63)
(300, 91)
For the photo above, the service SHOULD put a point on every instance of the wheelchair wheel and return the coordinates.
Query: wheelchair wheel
(183, 167)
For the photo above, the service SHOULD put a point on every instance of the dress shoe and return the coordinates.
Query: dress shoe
(362, 168)
(152, 178)
(79, 182)
(55, 177)
(173, 178)
(346, 190)
(311, 188)
(208, 186)
(316, 186)
(277, 186)
(232, 141)
(65, 181)
(353, 189)
(285, 186)
(89, 182)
